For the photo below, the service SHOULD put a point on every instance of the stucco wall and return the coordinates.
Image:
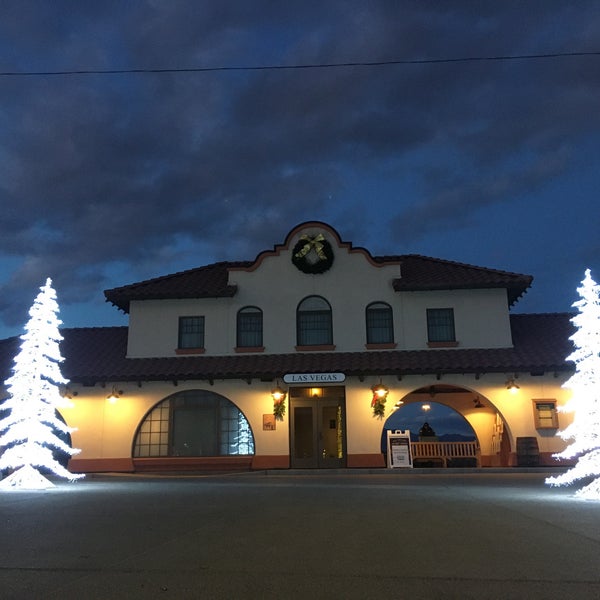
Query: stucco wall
(276, 286)
(107, 430)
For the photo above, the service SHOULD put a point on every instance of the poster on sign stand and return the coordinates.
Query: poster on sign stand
(398, 450)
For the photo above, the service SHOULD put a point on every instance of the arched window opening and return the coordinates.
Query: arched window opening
(194, 423)
(380, 325)
(249, 327)
(314, 322)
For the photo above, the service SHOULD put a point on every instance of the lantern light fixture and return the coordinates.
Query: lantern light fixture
(114, 395)
(477, 402)
(512, 387)
(278, 394)
(380, 390)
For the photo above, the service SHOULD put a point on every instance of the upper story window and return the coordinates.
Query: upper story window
(191, 333)
(313, 322)
(440, 325)
(249, 327)
(380, 326)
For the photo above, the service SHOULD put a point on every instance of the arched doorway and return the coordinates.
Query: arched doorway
(192, 429)
(456, 415)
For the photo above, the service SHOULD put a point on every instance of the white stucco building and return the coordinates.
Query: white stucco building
(191, 378)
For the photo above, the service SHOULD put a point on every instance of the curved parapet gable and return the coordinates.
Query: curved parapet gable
(313, 229)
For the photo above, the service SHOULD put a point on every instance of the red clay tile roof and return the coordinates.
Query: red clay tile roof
(418, 273)
(210, 281)
(96, 355)
(425, 273)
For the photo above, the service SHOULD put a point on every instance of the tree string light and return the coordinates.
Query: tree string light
(29, 430)
(585, 400)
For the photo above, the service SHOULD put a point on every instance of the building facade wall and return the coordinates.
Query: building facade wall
(354, 281)
(106, 431)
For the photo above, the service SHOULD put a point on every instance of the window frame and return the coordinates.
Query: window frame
(302, 332)
(550, 422)
(241, 344)
(155, 436)
(380, 307)
(185, 346)
(435, 331)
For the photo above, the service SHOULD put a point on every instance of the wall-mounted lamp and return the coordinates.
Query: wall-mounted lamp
(278, 394)
(380, 390)
(511, 386)
(114, 395)
(316, 392)
(425, 407)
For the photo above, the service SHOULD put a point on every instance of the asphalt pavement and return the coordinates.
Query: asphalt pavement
(301, 534)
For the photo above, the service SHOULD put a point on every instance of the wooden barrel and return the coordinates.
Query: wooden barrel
(528, 453)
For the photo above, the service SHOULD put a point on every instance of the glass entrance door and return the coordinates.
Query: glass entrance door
(317, 428)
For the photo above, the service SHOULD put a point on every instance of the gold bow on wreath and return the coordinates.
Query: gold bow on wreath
(315, 242)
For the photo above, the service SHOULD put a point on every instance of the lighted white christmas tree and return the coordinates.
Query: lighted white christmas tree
(585, 400)
(29, 426)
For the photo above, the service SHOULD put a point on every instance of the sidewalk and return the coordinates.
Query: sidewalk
(303, 534)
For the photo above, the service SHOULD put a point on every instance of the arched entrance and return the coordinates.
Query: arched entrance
(456, 415)
(193, 429)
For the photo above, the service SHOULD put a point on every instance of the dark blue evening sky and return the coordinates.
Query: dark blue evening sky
(108, 179)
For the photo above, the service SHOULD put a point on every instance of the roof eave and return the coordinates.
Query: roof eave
(123, 301)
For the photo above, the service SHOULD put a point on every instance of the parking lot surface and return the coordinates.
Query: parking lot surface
(344, 534)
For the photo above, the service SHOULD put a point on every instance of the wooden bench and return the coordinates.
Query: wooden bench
(446, 453)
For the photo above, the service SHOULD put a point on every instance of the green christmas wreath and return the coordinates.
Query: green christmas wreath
(312, 255)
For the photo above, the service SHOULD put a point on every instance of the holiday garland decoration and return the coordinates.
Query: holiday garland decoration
(312, 255)
(380, 394)
(279, 409)
(278, 396)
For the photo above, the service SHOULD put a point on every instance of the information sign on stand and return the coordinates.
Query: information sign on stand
(398, 449)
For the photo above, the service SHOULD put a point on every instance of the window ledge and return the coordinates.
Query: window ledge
(385, 346)
(249, 349)
(184, 351)
(442, 344)
(316, 348)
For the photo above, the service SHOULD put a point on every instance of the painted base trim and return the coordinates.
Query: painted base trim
(361, 461)
(101, 465)
(542, 459)
(271, 462)
(192, 463)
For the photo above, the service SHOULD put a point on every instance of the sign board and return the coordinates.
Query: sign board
(398, 449)
(312, 378)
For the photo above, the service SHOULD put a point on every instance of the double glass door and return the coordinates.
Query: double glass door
(317, 428)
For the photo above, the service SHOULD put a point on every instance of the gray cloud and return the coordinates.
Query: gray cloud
(140, 173)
